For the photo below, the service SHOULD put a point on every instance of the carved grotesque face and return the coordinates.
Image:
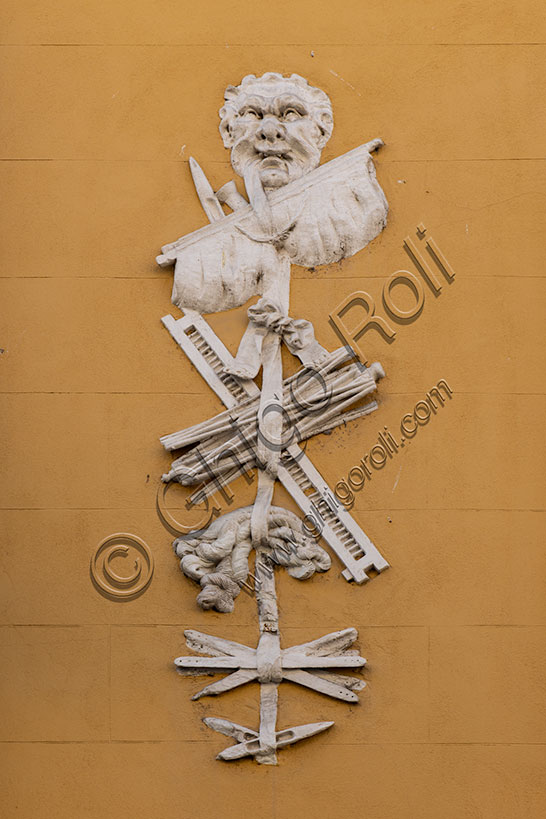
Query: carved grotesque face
(276, 128)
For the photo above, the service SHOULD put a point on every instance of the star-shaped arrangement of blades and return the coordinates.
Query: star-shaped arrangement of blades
(309, 664)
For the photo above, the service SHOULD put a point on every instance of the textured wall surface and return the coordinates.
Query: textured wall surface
(103, 103)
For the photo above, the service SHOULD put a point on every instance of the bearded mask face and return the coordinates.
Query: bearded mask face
(276, 127)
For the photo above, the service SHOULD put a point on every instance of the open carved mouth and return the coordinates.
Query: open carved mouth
(277, 160)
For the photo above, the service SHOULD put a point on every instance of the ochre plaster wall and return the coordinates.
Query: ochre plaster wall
(103, 103)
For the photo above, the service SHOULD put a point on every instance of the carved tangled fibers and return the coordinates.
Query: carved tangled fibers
(217, 558)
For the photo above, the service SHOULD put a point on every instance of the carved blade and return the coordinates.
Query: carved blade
(229, 194)
(207, 197)
(258, 199)
(291, 735)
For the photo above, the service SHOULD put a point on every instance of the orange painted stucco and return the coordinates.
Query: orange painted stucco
(103, 103)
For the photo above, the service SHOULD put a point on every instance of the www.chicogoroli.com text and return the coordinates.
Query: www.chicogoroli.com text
(388, 446)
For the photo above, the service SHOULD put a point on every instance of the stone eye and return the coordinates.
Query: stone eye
(252, 114)
(291, 114)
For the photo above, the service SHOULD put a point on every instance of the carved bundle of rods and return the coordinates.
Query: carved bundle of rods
(314, 401)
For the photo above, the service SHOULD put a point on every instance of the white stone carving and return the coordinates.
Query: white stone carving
(218, 557)
(296, 472)
(328, 215)
(276, 128)
(296, 213)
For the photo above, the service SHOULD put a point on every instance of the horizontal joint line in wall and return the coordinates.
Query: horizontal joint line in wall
(367, 510)
(259, 44)
(382, 161)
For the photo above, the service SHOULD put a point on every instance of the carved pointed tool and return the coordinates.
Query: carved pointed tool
(332, 689)
(216, 646)
(251, 747)
(227, 683)
(207, 197)
(230, 729)
(327, 645)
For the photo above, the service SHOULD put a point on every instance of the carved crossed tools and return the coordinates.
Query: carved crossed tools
(308, 664)
(313, 401)
(246, 664)
(311, 664)
(296, 471)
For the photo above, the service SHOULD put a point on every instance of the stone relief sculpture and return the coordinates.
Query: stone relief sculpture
(297, 213)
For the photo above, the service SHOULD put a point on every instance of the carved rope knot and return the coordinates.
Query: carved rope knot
(297, 334)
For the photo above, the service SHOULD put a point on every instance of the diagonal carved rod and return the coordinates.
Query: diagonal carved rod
(234, 680)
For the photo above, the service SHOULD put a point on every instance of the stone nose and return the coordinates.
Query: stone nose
(271, 129)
